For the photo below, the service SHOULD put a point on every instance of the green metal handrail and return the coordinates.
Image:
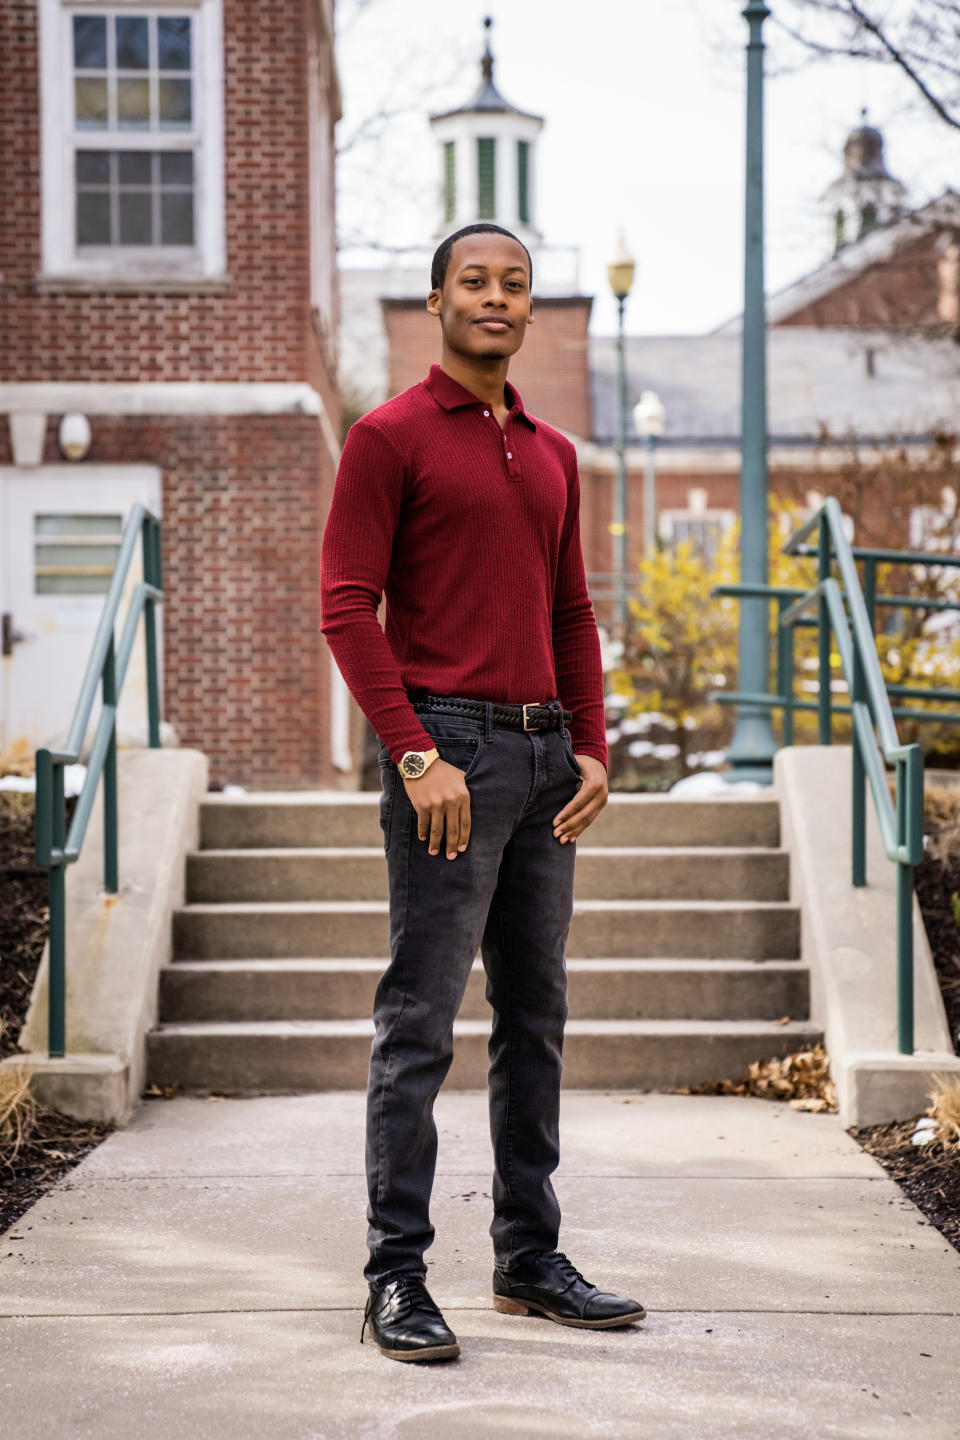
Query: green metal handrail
(848, 612)
(107, 667)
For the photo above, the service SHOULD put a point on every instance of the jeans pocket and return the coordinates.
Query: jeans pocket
(389, 778)
(463, 751)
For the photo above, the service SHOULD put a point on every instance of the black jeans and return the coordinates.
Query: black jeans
(510, 894)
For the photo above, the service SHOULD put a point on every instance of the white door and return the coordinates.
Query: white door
(60, 528)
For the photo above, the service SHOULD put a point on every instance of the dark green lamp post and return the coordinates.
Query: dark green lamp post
(753, 746)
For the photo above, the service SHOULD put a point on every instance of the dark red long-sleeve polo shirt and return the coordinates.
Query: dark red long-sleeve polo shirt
(473, 534)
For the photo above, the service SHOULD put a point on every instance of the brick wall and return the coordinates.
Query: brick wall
(246, 671)
(550, 371)
(257, 327)
(916, 287)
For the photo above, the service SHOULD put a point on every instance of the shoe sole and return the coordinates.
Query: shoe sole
(506, 1306)
(431, 1352)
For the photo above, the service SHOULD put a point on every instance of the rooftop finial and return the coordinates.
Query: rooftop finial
(486, 64)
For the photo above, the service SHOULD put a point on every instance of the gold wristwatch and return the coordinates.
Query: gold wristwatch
(415, 763)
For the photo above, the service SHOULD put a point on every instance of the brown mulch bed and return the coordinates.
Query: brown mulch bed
(54, 1143)
(928, 1174)
(937, 881)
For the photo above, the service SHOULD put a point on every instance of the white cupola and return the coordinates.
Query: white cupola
(866, 195)
(487, 158)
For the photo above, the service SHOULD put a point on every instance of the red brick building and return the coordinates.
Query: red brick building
(167, 269)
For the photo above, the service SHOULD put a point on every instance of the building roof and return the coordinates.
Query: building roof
(874, 248)
(487, 98)
(817, 379)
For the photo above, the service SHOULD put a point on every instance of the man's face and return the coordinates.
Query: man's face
(485, 305)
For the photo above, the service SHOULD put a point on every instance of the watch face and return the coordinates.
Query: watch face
(413, 765)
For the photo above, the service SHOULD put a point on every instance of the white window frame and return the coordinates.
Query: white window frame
(667, 519)
(61, 259)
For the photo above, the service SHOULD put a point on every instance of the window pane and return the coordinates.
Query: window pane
(93, 167)
(90, 103)
(176, 167)
(72, 584)
(175, 107)
(135, 167)
(93, 217)
(90, 42)
(77, 524)
(136, 217)
(133, 104)
(84, 555)
(133, 44)
(176, 218)
(173, 42)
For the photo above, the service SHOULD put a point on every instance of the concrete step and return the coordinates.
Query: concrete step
(636, 929)
(605, 989)
(613, 872)
(265, 1057)
(350, 817)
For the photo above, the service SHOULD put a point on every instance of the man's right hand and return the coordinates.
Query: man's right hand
(442, 802)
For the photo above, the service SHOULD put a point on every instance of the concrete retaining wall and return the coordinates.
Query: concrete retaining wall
(117, 944)
(848, 939)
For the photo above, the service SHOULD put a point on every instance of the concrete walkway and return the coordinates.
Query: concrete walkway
(198, 1277)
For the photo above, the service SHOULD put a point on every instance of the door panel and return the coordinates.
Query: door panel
(59, 539)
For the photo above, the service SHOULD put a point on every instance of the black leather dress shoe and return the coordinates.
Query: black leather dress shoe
(406, 1323)
(550, 1285)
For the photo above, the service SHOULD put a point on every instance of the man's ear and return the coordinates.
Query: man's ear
(530, 314)
(433, 302)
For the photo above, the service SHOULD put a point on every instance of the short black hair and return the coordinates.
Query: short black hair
(441, 259)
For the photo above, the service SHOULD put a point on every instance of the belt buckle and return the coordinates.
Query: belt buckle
(531, 705)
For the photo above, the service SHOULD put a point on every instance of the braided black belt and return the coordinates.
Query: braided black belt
(530, 716)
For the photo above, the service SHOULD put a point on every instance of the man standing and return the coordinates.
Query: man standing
(465, 511)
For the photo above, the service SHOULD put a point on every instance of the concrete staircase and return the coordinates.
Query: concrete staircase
(682, 953)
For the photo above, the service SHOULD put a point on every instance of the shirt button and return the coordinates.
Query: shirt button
(487, 414)
(509, 454)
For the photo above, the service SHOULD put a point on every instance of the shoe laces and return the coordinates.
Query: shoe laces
(410, 1293)
(568, 1270)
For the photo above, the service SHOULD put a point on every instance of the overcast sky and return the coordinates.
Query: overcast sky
(644, 109)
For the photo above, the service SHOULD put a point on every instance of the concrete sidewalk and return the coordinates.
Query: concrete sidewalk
(198, 1276)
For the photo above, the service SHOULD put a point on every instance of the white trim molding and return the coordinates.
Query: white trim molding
(61, 260)
(170, 397)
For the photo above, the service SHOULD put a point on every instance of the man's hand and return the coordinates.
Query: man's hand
(586, 805)
(442, 801)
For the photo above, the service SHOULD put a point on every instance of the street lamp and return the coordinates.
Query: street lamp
(620, 273)
(649, 416)
(753, 745)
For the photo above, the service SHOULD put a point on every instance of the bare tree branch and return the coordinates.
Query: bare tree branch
(923, 42)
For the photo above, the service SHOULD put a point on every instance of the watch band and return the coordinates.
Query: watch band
(414, 763)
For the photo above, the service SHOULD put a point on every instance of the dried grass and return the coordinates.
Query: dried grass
(945, 1110)
(19, 1110)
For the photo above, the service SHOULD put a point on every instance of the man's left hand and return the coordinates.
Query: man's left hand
(586, 805)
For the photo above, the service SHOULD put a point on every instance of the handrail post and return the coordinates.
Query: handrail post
(152, 575)
(785, 669)
(51, 831)
(859, 797)
(111, 867)
(870, 592)
(824, 699)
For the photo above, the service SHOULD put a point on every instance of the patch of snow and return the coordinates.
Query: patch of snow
(711, 785)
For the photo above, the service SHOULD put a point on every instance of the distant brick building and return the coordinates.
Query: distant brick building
(863, 349)
(168, 269)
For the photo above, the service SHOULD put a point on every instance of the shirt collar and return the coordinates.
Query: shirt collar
(451, 395)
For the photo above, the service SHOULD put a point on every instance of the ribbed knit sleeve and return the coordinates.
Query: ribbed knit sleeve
(576, 643)
(354, 562)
